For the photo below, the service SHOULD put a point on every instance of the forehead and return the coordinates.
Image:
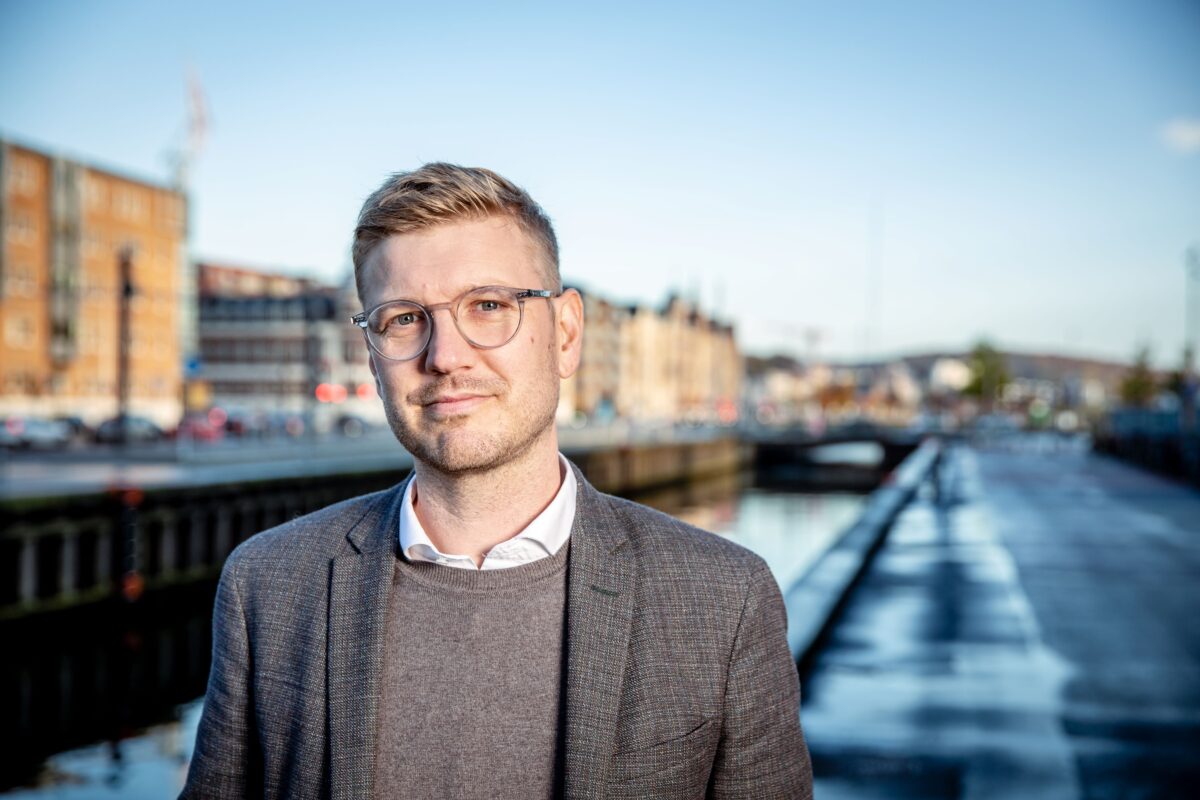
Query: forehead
(438, 263)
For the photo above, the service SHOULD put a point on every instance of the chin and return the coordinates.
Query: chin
(449, 445)
(472, 442)
(461, 451)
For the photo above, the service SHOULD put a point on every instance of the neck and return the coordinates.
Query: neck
(470, 513)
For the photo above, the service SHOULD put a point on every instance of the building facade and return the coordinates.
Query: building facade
(272, 343)
(64, 227)
(655, 365)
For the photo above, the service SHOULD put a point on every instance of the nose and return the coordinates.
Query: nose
(448, 350)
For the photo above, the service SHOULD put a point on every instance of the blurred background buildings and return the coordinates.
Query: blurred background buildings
(266, 346)
(65, 227)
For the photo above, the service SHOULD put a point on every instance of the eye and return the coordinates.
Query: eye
(488, 302)
(398, 320)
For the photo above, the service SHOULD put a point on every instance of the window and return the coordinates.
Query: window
(95, 193)
(172, 212)
(89, 338)
(21, 229)
(18, 332)
(95, 244)
(21, 177)
(20, 280)
(128, 204)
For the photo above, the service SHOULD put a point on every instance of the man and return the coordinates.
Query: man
(493, 626)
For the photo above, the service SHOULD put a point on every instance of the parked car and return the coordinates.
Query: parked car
(32, 433)
(247, 423)
(80, 431)
(201, 427)
(138, 429)
(285, 423)
(351, 426)
(11, 429)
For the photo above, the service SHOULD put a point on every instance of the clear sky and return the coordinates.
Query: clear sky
(896, 176)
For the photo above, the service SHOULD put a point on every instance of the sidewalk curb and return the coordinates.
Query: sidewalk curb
(813, 601)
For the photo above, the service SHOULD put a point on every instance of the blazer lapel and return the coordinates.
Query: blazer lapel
(601, 580)
(360, 580)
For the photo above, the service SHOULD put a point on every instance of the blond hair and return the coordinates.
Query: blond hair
(438, 193)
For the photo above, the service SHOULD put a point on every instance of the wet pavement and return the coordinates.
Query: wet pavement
(1029, 630)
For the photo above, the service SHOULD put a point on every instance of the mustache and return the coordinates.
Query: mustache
(431, 392)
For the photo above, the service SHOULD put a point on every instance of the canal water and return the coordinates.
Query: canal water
(119, 699)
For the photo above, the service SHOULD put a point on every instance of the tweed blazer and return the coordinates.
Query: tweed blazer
(679, 682)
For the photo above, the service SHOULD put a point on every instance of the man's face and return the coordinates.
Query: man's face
(457, 408)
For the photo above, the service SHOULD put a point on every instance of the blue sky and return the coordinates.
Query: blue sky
(894, 176)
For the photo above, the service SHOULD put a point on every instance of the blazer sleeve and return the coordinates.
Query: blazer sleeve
(225, 761)
(762, 752)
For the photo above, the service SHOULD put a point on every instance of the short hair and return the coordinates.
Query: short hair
(438, 193)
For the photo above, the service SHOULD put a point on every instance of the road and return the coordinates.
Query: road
(188, 463)
(1032, 632)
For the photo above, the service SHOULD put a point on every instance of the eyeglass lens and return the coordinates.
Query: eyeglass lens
(486, 317)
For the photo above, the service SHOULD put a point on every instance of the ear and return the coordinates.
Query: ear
(569, 330)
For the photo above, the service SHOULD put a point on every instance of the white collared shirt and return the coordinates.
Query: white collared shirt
(543, 537)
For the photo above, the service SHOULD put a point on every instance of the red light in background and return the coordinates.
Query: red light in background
(338, 393)
(217, 417)
(324, 393)
(132, 586)
(365, 391)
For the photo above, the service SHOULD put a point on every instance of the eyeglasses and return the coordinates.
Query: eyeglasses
(488, 317)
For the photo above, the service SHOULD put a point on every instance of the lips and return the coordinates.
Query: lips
(449, 405)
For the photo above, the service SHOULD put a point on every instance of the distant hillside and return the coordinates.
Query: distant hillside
(1030, 366)
(1036, 366)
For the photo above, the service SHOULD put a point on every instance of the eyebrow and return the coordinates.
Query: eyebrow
(459, 293)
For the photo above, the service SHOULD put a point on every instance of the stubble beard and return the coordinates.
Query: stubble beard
(444, 445)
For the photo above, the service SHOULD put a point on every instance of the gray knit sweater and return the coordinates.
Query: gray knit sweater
(471, 681)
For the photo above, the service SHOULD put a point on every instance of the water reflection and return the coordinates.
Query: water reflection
(114, 681)
(149, 766)
(788, 529)
(117, 693)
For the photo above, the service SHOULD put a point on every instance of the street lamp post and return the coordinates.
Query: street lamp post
(125, 298)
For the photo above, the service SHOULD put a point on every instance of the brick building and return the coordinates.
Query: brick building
(63, 227)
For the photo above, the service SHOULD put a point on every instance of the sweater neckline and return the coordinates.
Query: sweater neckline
(506, 580)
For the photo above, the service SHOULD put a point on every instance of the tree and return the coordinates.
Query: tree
(1139, 385)
(989, 373)
(1177, 380)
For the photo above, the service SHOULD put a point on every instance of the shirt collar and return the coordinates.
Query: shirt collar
(543, 537)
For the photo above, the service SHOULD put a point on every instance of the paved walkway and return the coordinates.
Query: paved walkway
(1034, 632)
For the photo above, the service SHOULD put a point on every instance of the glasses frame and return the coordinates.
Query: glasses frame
(520, 295)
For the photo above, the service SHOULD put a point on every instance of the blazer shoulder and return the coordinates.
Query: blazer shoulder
(661, 540)
(320, 534)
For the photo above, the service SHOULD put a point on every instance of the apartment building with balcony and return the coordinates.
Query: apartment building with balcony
(63, 227)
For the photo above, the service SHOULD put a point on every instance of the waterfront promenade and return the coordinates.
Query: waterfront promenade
(178, 464)
(1029, 630)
